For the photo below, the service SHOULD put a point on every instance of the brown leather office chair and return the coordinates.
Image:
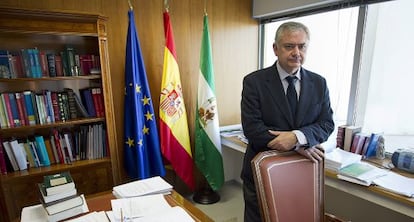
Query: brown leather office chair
(290, 187)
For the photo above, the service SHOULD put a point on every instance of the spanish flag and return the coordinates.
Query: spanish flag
(174, 135)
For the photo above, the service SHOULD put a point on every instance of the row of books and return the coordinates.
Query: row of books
(88, 142)
(351, 139)
(35, 63)
(31, 108)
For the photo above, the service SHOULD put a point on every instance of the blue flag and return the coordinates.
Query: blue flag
(141, 142)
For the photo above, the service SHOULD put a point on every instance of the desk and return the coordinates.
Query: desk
(358, 201)
(233, 152)
(383, 204)
(102, 202)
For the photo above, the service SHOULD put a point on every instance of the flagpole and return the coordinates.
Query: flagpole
(206, 195)
(207, 154)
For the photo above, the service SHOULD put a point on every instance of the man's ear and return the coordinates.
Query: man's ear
(275, 49)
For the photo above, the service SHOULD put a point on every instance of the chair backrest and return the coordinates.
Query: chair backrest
(290, 187)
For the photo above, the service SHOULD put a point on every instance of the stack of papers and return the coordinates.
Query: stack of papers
(153, 185)
(147, 208)
(338, 158)
(396, 183)
(231, 130)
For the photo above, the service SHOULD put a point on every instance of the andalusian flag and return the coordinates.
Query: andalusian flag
(207, 133)
(141, 142)
(175, 139)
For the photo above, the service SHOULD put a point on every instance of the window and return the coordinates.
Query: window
(385, 105)
(380, 85)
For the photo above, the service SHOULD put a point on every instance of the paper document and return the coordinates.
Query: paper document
(129, 208)
(231, 133)
(396, 183)
(92, 217)
(142, 187)
(173, 214)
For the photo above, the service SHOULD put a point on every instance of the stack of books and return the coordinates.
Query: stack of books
(339, 158)
(59, 197)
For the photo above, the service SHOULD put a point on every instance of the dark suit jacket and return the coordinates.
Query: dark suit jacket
(264, 107)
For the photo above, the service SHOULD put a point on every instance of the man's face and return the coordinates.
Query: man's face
(291, 50)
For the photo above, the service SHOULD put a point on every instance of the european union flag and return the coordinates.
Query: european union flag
(141, 142)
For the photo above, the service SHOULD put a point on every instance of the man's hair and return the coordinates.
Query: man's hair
(290, 27)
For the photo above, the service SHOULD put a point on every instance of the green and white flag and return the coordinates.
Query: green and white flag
(207, 132)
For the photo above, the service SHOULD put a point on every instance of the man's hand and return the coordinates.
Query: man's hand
(315, 153)
(283, 141)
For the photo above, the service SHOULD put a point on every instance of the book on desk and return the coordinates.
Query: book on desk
(361, 173)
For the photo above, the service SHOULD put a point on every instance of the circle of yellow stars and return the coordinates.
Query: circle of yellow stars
(149, 116)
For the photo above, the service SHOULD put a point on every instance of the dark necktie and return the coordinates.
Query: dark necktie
(291, 94)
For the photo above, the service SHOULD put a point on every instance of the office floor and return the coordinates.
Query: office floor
(230, 208)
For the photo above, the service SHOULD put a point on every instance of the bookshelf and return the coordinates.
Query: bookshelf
(53, 32)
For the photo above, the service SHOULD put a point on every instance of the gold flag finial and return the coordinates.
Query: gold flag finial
(166, 5)
(130, 5)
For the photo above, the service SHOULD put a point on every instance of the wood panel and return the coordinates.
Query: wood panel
(234, 39)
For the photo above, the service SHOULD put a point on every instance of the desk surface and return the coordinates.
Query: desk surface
(102, 202)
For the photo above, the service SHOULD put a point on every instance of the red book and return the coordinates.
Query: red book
(340, 136)
(55, 106)
(101, 102)
(98, 101)
(21, 107)
(18, 67)
(43, 63)
(358, 143)
(58, 146)
(58, 65)
(86, 64)
(6, 100)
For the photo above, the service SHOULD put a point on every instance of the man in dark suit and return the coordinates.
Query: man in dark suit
(269, 121)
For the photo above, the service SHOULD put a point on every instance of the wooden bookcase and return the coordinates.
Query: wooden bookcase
(22, 28)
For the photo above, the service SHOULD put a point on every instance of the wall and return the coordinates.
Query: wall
(233, 37)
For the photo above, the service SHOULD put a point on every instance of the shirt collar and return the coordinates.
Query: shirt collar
(283, 74)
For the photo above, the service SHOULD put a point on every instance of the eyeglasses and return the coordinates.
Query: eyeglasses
(289, 46)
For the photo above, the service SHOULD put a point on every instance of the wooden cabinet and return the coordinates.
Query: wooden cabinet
(46, 30)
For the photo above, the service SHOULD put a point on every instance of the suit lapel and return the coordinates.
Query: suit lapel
(305, 96)
(273, 82)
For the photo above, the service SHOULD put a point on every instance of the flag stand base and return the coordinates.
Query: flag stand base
(206, 196)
